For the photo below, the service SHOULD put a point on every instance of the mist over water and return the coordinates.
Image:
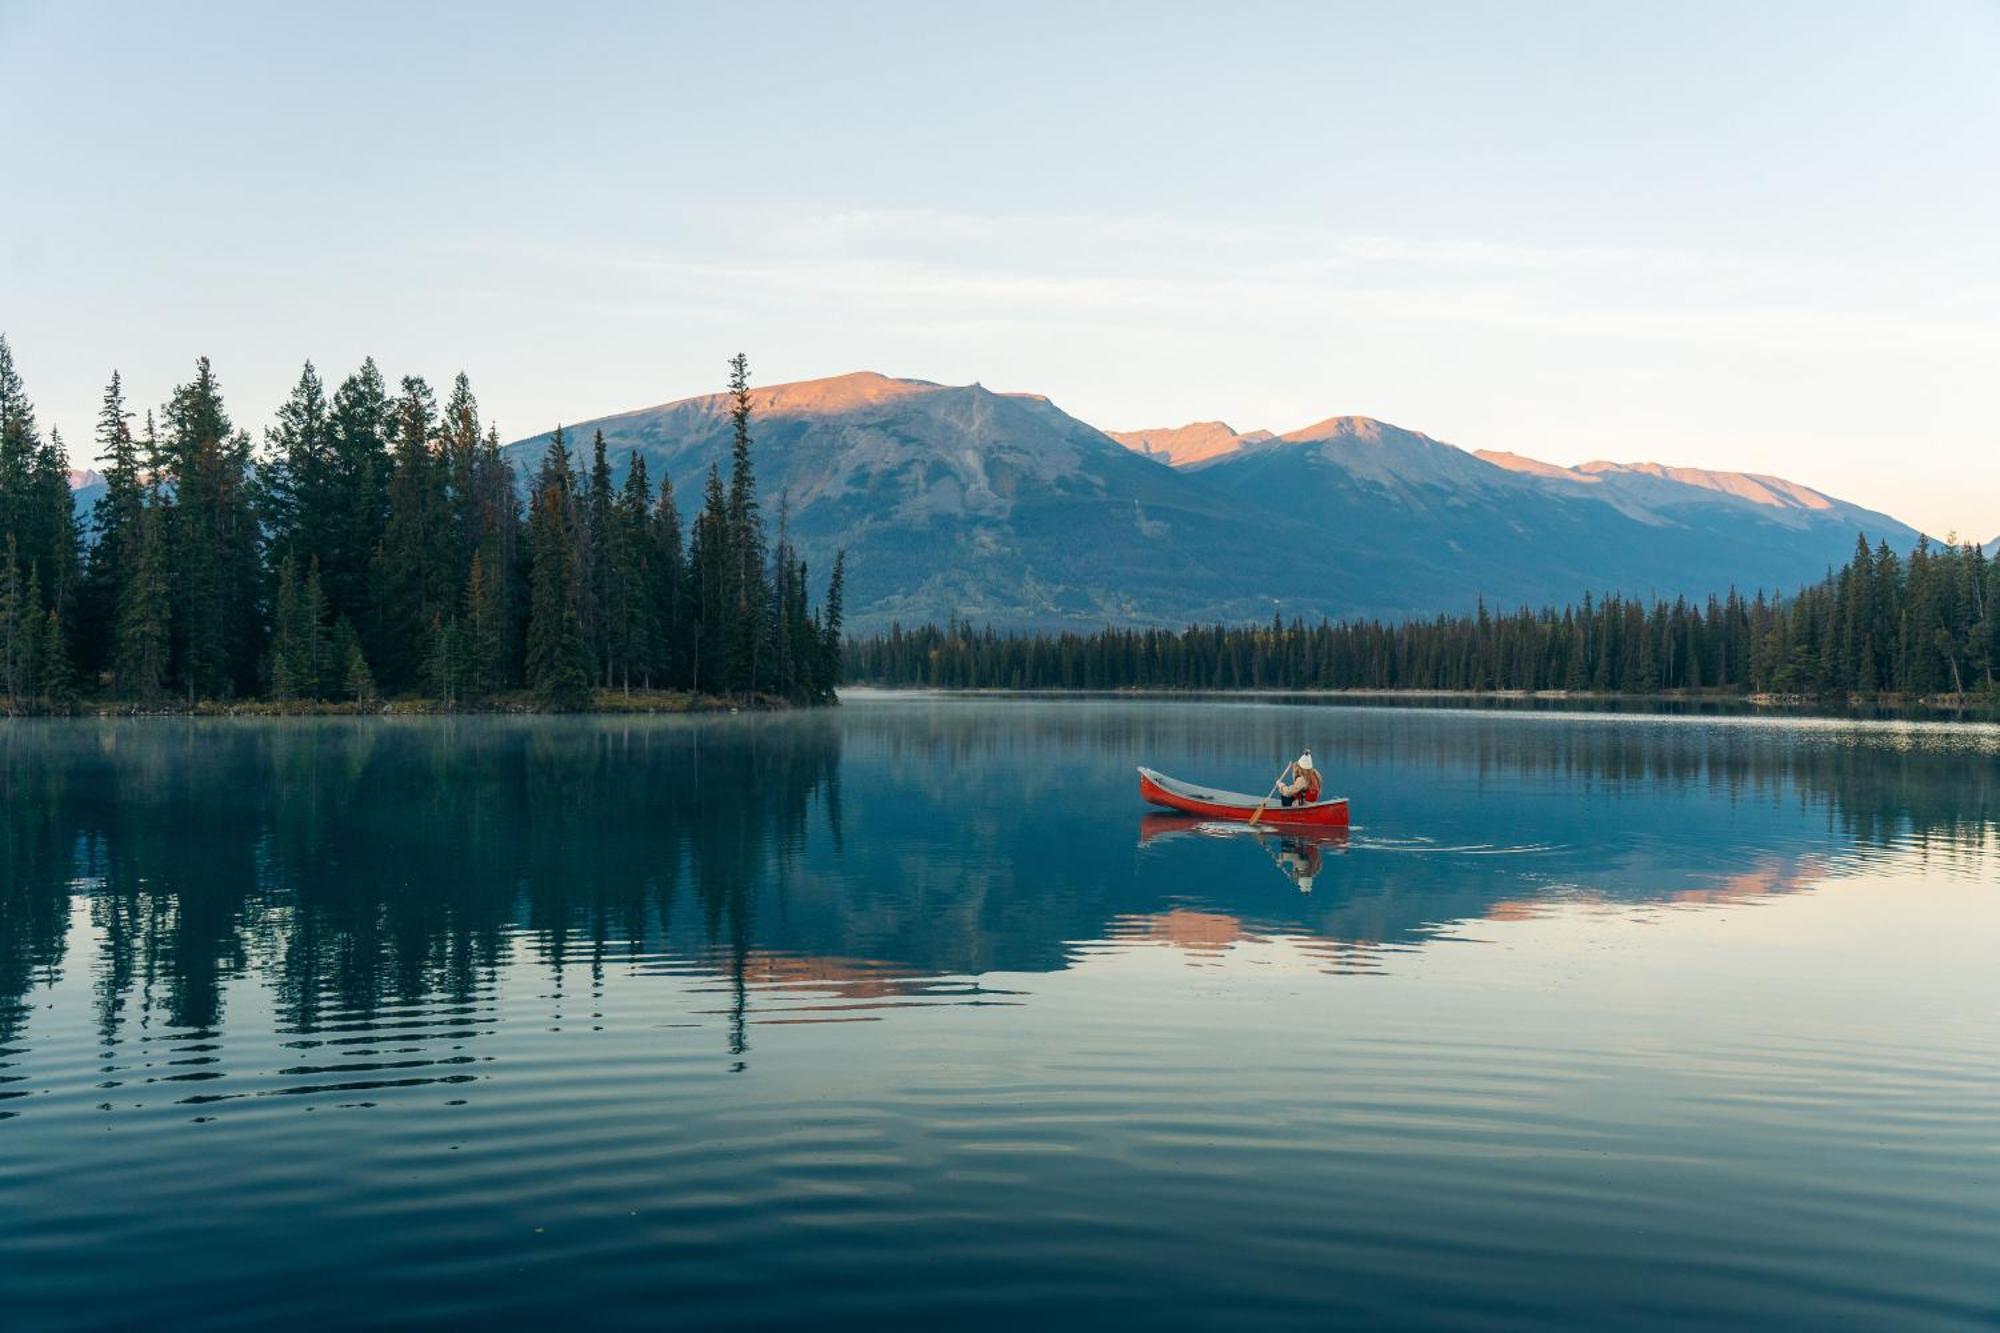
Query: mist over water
(909, 1013)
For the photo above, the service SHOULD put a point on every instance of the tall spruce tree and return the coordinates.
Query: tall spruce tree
(597, 557)
(288, 650)
(214, 542)
(115, 520)
(789, 630)
(672, 617)
(17, 629)
(560, 668)
(461, 448)
(301, 659)
(56, 682)
(35, 505)
(629, 606)
(831, 645)
(711, 561)
(141, 657)
(746, 595)
(485, 617)
(296, 482)
(359, 426)
(416, 580)
(499, 516)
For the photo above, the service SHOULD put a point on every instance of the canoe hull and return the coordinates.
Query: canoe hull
(1161, 790)
(1157, 826)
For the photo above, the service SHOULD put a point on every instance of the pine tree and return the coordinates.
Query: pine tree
(57, 682)
(415, 581)
(19, 444)
(299, 659)
(671, 614)
(597, 551)
(17, 622)
(30, 638)
(747, 598)
(484, 615)
(831, 647)
(787, 607)
(35, 505)
(316, 661)
(296, 490)
(711, 592)
(444, 668)
(116, 519)
(559, 666)
(141, 658)
(359, 426)
(214, 542)
(288, 654)
(357, 682)
(629, 608)
(461, 447)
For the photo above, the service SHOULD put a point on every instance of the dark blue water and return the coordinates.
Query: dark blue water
(905, 1014)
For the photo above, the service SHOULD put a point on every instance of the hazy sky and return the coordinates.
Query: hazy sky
(1754, 236)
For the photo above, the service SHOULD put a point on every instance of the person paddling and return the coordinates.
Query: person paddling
(1301, 781)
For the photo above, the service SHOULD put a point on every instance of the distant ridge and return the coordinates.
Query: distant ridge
(1195, 442)
(957, 501)
(1202, 441)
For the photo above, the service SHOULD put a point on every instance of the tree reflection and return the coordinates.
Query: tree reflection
(367, 873)
(360, 867)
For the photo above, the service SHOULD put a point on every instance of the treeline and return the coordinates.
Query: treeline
(377, 547)
(1883, 624)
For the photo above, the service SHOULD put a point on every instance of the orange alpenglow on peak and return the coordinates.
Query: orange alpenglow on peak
(1366, 430)
(1192, 443)
(838, 393)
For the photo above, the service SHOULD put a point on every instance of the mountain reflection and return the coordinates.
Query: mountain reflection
(827, 868)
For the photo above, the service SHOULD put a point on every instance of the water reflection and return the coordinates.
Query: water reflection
(1299, 856)
(355, 868)
(886, 1016)
(361, 868)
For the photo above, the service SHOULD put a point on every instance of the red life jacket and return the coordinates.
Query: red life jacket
(1311, 790)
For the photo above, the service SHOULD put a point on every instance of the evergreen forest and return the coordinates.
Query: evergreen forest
(1885, 625)
(378, 546)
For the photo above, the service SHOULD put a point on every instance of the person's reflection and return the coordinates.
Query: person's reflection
(1300, 856)
(1300, 860)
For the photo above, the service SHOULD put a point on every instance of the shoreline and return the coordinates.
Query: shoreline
(1758, 701)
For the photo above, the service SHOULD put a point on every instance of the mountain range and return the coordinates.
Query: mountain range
(1000, 508)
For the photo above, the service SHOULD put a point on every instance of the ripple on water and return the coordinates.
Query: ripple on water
(865, 1051)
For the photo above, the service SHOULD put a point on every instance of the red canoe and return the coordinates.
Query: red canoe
(1211, 804)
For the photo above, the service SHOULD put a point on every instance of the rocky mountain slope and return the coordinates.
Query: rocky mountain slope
(1001, 508)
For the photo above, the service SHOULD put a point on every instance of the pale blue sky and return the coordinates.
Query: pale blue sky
(1756, 236)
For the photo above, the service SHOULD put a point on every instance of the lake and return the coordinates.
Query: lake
(905, 1013)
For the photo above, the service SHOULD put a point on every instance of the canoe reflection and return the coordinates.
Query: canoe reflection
(1299, 854)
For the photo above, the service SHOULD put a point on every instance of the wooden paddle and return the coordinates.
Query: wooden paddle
(1258, 813)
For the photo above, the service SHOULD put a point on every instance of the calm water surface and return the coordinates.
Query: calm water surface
(906, 1015)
